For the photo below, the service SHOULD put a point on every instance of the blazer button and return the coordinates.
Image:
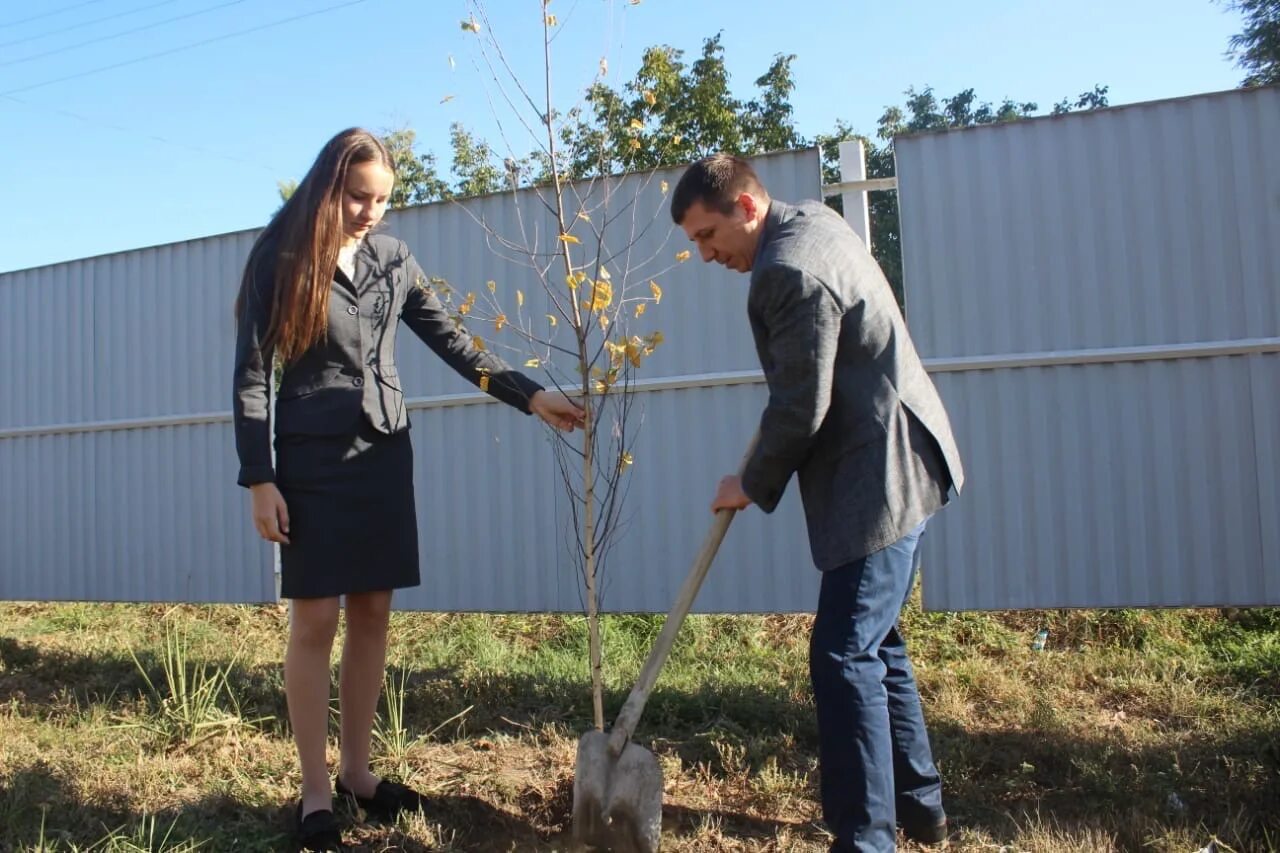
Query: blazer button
(358, 381)
(353, 310)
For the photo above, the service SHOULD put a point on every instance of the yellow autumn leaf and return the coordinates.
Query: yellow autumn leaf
(519, 299)
(599, 386)
(471, 25)
(569, 238)
(682, 255)
(552, 319)
(677, 139)
(605, 274)
(499, 322)
(574, 279)
(636, 124)
(583, 216)
(492, 285)
(633, 352)
(664, 186)
(627, 460)
(484, 383)
(551, 20)
(601, 296)
(478, 342)
(635, 145)
(604, 323)
(640, 308)
(656, 291)
(649, 97)
(533, 362)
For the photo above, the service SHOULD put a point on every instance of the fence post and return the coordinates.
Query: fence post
(853, 167)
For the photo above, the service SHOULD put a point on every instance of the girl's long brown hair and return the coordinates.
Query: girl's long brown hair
(300, 245)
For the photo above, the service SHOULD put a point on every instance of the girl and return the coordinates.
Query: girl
(324, 293)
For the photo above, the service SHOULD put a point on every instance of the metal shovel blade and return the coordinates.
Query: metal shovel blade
(617, 800)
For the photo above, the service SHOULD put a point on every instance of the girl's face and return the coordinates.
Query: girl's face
(364, 198)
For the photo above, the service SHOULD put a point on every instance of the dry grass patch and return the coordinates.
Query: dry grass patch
(1130, 731)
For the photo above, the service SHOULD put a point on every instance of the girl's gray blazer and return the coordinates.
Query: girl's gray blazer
(351, 372)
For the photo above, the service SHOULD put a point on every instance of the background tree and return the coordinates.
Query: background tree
(671, 112)
(1257, 48)
(417, 180)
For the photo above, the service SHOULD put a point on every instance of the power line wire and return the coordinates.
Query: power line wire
(144, 135)
(119, 34)
(223, 37)
(84, 24)
(49, 14)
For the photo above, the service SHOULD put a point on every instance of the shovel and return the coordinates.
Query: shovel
(617, 786)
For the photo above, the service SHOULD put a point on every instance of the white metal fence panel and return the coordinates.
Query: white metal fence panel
(1097, 296)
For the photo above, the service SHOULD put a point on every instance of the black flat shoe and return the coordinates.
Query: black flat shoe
(388, 800)
(319, 832)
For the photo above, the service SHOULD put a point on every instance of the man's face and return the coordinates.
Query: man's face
(728, 239)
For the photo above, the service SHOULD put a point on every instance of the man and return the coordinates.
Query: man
(852, 411)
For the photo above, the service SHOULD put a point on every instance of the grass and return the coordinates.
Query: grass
(139, 727)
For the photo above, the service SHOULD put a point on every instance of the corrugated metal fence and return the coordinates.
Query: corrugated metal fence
(119, 468)
(1098, 297)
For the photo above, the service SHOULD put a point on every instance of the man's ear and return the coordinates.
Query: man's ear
(749, 204)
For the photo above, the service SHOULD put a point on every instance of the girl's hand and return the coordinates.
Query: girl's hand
(270, 515)
(557, 410)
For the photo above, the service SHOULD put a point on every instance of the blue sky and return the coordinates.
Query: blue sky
(191, 142)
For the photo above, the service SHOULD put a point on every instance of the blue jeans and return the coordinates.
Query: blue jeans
(876, 766)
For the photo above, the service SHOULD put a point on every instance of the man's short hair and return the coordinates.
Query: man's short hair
(716, 181)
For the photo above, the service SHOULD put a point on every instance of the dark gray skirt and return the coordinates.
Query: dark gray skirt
(352, 523)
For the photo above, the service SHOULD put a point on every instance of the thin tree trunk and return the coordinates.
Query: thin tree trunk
(589, 565)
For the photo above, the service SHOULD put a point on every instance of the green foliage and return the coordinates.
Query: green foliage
(286, 188)
(474, 164)
(674, 112)
(417, 181)
(194, 700)
(1257, 48)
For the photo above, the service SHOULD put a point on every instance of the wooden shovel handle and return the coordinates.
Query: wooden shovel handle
(629, 716)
